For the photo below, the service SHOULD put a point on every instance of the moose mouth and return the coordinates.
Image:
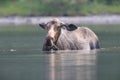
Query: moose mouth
(50, 44)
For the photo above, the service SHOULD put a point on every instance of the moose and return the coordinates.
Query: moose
(63, 36)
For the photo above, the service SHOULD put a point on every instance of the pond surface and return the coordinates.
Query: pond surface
(21, 57)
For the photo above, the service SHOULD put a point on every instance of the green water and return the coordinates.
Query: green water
(21, 57)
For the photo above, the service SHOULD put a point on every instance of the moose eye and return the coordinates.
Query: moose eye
(48, 27)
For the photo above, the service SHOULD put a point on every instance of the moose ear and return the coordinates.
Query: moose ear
(42, 25)
(71, 27)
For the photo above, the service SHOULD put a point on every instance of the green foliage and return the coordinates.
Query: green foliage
(58, 7)
(109, 2)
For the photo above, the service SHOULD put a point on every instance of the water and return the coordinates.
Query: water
(21, 57)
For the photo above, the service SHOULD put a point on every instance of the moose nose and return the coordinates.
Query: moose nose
(48, 41)
(49, 38)
(51, 33)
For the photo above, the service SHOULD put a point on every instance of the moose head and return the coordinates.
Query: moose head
(53, 28)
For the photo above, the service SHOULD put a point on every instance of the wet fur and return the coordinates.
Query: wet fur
(69, 37)
(80, 39)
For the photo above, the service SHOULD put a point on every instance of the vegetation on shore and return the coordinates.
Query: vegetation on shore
(58, 7)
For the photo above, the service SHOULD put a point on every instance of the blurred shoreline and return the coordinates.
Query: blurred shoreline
(97, 19)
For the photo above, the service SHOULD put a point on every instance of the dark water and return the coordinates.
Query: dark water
(21, 57)
(62, 65)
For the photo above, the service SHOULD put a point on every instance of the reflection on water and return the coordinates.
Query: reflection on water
(62, 65)
(76, 65)
(33, 65)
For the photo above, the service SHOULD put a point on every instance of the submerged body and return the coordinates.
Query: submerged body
(79, 39)
(69, 38)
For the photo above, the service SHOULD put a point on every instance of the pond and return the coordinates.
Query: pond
(21, 57)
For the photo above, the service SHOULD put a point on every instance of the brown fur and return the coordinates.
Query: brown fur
(81, 38)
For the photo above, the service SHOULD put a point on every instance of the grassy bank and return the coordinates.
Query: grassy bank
(55, 8)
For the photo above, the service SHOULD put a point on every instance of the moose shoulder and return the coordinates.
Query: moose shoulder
(61, 36)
